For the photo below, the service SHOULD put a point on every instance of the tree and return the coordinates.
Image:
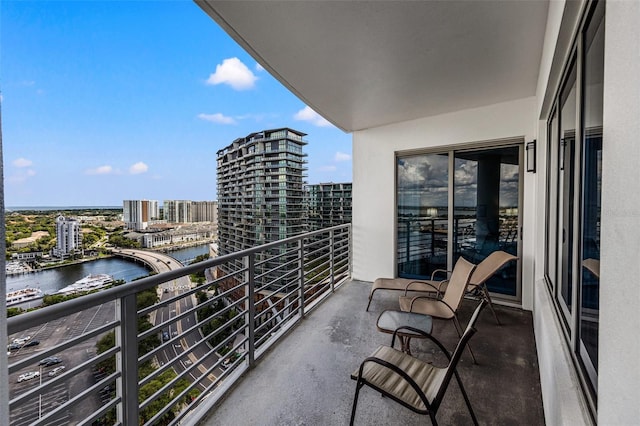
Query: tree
(199, 277)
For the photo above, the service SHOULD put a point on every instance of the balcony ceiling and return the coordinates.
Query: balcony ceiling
(363, 64)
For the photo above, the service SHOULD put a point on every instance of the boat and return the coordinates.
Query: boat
(88, 283)
(24, 295)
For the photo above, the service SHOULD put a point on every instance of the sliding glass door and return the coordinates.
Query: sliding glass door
(422, 214)
(459, 203)
(485, 210)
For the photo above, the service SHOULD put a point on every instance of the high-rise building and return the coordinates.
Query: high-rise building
(204, 211)
(177, 211)
(137, 214)
(260, 191)
(328, 204)
(68, 237)
(186, 211)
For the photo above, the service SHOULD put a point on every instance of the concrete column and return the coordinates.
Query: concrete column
(619, 346)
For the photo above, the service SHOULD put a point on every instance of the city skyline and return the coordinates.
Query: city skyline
(103, 102)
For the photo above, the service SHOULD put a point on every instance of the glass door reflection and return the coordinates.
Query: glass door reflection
(486, 210)
(422, 214)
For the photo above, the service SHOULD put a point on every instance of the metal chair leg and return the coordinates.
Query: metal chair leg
(485, 294)
(459, 330)
(355, 402)
(466, 398)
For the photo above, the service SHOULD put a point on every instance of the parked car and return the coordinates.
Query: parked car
(33, 343)
(52, 360)
(28, 376)
(14, 347)
(56, 370)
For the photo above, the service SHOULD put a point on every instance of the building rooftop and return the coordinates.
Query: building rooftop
(305, 379)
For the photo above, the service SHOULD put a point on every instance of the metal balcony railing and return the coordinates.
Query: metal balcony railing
(165, 349)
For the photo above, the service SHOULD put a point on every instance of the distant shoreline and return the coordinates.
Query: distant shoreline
(58, 208)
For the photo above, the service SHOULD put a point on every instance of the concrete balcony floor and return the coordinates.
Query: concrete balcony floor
(305, 379)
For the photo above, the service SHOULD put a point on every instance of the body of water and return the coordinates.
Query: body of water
(186, 255)
(52, 280)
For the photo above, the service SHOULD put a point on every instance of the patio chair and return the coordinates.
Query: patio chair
(414, 383)
(485, 270)
(477, 284)
(445, 307)
(402, 284)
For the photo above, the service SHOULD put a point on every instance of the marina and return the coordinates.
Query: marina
(27, 294)
(88, 283)
(52, 281)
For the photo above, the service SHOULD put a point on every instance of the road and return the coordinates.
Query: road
(51, 334)
(164, 263)
(63, 329)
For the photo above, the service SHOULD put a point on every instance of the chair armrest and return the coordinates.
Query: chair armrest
(436, 289)
(433, 274)
(426, 296)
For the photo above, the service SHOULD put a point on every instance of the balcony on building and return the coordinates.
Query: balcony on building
(457, 82)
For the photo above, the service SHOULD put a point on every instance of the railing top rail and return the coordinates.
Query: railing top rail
(49, 313)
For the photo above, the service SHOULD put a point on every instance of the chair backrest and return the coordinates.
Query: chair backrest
(489, 266)
(457, 353)
(458, 283)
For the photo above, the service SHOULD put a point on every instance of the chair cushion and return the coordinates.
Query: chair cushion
(428, 377)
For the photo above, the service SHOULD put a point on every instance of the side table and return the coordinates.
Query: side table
(390, 320)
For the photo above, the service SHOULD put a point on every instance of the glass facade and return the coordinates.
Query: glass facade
(455, 204)
(574, 181)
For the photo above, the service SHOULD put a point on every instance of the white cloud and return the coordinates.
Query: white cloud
(234, 73)
(342, 156)
(217, 118)
(21, 176)
(259, 67)
(138, 168)
(102, 170)
(307, 114)
(22, 162)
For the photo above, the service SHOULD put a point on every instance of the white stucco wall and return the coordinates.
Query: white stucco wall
(619, 346)
(374, 175)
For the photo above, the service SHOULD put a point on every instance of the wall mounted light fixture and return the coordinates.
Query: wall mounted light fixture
(531, 156)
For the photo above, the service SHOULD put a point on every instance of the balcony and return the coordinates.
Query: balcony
(287, 345)
(154, 350)
(305, 379)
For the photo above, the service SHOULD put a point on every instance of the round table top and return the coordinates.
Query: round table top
(389, 321)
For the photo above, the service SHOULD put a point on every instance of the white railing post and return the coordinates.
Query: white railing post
(301, 275)
(331, 260)
(250, 316)
(127, 360)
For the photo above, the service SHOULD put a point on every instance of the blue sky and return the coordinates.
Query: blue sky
(106, 101)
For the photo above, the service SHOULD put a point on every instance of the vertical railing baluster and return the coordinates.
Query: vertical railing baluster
(301, 274)
(127, 360)
(331, 260)
(350, 254)
(250, 316)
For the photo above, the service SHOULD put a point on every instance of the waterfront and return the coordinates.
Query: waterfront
(186, 255)
(52, 280)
